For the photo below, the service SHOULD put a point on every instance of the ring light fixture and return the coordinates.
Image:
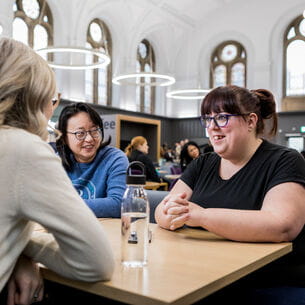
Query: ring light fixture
(104, 60)
(187, 94)
(135, 79)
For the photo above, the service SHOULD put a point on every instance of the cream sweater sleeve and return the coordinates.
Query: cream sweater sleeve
(76, 246)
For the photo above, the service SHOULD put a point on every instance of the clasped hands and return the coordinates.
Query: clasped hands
(178, 211)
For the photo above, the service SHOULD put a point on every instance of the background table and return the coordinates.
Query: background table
(184, 266)
(150, 185)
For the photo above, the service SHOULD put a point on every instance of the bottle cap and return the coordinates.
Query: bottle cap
(136, 173)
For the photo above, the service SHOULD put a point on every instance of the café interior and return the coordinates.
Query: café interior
(145, 66)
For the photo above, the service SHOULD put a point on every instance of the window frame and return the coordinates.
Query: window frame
(150, 60)
(106, 44)
(228, 64)
(294, 23)
(31, 23)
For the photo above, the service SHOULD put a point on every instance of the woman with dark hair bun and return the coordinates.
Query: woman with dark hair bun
(97, 171)
(248, 190)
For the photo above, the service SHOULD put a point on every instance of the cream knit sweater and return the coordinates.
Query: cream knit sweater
(35, 188)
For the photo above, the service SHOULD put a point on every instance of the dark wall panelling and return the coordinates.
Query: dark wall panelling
(174, 130)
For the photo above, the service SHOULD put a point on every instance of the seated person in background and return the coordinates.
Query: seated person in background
(137, 150)
(189, 152)
(35, 188)
(97, 170)
(249, 190)
(169, 155)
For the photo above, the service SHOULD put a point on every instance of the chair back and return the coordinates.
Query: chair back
(176, 170)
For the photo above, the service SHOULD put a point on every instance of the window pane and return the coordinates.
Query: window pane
(142, 50)
(295, 66)
(229, 52)
(31, 8)
(95, 32)
(138, 92)
(147, 68)
(238, 75)
(20, 30)
(40, 37)
(220, 75)
(1, 29)
(291, 33)
(147, 97)
(102, 86)
(89, 77)
(302, 27)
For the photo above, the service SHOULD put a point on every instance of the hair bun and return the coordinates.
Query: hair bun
(266, 102)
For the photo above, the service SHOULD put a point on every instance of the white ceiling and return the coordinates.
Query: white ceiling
(191, 12)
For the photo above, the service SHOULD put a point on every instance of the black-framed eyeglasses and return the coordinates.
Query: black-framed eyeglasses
(220, 120)
(82, 134)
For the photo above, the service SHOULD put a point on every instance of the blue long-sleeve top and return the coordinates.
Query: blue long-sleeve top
(102, 182)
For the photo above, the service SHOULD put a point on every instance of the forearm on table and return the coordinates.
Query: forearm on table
(66, 258)
(105, 207)
(244, 225)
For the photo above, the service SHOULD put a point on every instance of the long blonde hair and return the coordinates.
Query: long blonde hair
(135, 142)
(27, 85)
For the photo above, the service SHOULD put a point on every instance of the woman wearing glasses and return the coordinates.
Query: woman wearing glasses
(249, 189)
(97, 171)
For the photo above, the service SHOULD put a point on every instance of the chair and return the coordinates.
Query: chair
(154, 198)
(175, 170)
(173, 182)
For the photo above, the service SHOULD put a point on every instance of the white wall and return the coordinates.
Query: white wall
(182, 41)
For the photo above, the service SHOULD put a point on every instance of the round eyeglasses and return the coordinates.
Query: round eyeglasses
(82, 134)
(220, 120)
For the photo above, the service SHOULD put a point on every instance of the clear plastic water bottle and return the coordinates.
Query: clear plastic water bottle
(135, 219)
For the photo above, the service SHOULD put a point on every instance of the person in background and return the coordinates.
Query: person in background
(189, 152)
(169, 155)
(34, 188)
(97, 170)
(137, 150)
(249, 190)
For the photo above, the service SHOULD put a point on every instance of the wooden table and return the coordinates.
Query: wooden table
(183, 266)
(150, 185)
(172, 177)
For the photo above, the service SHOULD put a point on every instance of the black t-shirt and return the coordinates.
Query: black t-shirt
(270, 165)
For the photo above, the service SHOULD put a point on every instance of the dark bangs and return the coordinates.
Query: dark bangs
(221, 99)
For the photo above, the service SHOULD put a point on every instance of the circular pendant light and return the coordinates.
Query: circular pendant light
(103, 59)
(188, 94)
(139, 79)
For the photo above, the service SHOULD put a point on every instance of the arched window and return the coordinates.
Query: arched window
(228, 65)
(145, 95)
(33, 23)
(98, 81)
(294, 58)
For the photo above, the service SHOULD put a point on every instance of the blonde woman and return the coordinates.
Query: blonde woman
(137, 150)
(35, 188)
